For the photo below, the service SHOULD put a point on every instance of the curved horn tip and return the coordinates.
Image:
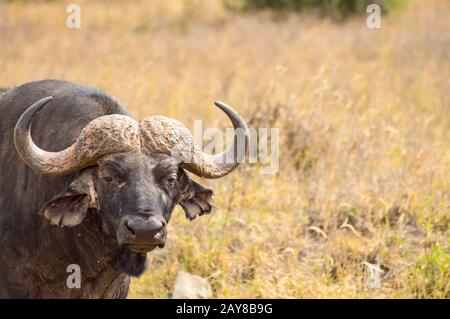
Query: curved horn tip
(231, 112)
(221, 105)
(47, 98)
(39, 104)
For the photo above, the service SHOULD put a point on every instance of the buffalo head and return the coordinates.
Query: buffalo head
(131, 173)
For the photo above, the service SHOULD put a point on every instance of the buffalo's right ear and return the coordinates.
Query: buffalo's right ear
(70, 207)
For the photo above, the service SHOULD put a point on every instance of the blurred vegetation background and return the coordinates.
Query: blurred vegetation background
(364, 121)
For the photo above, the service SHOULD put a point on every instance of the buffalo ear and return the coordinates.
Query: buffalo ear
(70, 207)
(197, 200)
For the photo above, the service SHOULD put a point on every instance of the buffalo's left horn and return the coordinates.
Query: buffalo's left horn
(104, 135)
(169, 136)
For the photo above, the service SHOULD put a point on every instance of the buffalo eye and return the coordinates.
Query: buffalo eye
(170, 182)
(108, 179)
(111, 171)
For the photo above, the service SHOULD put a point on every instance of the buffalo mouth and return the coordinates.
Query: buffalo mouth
(142, 248)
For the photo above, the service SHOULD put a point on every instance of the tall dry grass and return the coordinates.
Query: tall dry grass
(364, 120)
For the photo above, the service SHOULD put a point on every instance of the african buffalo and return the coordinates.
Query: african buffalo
(83, 183)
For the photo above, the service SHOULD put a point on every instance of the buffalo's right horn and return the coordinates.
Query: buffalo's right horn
(171, 137)
(104, 135)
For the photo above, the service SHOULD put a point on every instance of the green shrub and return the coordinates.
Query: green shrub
(335, 8)
(431, 276)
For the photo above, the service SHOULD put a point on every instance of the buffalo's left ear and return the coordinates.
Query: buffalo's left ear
(70, 206)
(197, 200)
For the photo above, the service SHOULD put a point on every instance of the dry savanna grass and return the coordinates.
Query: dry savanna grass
(364, 119)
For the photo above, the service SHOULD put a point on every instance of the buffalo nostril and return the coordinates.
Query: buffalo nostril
(160, 234)
(131, 230)
(160, 237)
